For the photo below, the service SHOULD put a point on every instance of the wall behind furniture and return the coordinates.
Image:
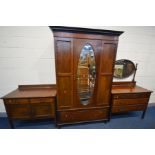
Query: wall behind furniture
(27, 56)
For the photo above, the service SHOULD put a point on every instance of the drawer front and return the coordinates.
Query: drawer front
(131, 95)
(118, 109)
(83, 115)
(42, 100)
(16, 101)
(43, 110)
(120, 102)
(18, 111)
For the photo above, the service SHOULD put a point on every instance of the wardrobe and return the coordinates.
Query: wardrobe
(84, 60)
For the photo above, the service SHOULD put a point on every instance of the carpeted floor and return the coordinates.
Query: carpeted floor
(122, 121)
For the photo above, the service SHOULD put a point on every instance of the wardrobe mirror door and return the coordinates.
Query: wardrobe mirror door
(86, 74)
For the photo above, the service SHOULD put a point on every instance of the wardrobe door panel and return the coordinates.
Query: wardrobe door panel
(85, 69)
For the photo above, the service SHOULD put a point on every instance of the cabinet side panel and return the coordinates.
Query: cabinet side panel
(107, 57)
(104, 91)
(106, 68)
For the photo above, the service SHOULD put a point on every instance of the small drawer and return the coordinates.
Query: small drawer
(16, 101)
(120, 102)
(8, 101)
(41, 100)
(83, 115)
(131, 95)
(119, 109)
(21, 101)
(18, 111)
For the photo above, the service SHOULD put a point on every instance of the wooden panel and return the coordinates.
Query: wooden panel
(64, 71)
(83, 115)
(65, 92)
(104, 90)
(43, 110)
(63, 56)
(18, 111)
(118, 109)
(131, 96)
(130, 101)
(107, 58)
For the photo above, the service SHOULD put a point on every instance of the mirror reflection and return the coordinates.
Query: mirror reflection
(123, 68)
(86, 74)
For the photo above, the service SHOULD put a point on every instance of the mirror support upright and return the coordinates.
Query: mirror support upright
(133, 80)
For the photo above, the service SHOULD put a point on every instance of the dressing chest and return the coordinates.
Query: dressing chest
(127, 96)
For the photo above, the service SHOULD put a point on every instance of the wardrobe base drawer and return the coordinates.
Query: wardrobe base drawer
(77, 116)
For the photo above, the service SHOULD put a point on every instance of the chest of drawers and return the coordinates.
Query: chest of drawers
(129, 98)
(30, 103)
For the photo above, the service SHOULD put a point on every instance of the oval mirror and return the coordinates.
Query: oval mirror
(124, 68)
(86, 74)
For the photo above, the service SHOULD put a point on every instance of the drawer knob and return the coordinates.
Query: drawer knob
(9, 101)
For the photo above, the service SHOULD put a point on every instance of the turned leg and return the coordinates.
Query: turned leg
(143, 114)
(11, 123)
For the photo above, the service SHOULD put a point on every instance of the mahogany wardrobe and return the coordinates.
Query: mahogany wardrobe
(84, 61)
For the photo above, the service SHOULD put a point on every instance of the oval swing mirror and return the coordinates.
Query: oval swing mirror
(86, 74)
(124, 68)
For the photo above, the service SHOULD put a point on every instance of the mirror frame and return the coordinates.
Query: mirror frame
(121, 60)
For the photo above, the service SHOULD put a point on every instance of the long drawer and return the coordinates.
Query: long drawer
(131, 95)
(82, 115)
(120, 102)
(117, 109)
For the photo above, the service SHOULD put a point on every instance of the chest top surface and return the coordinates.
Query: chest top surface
(127, 89)
(32, 91)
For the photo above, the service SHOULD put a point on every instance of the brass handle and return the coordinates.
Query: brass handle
(74, 78)
(116, 96)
